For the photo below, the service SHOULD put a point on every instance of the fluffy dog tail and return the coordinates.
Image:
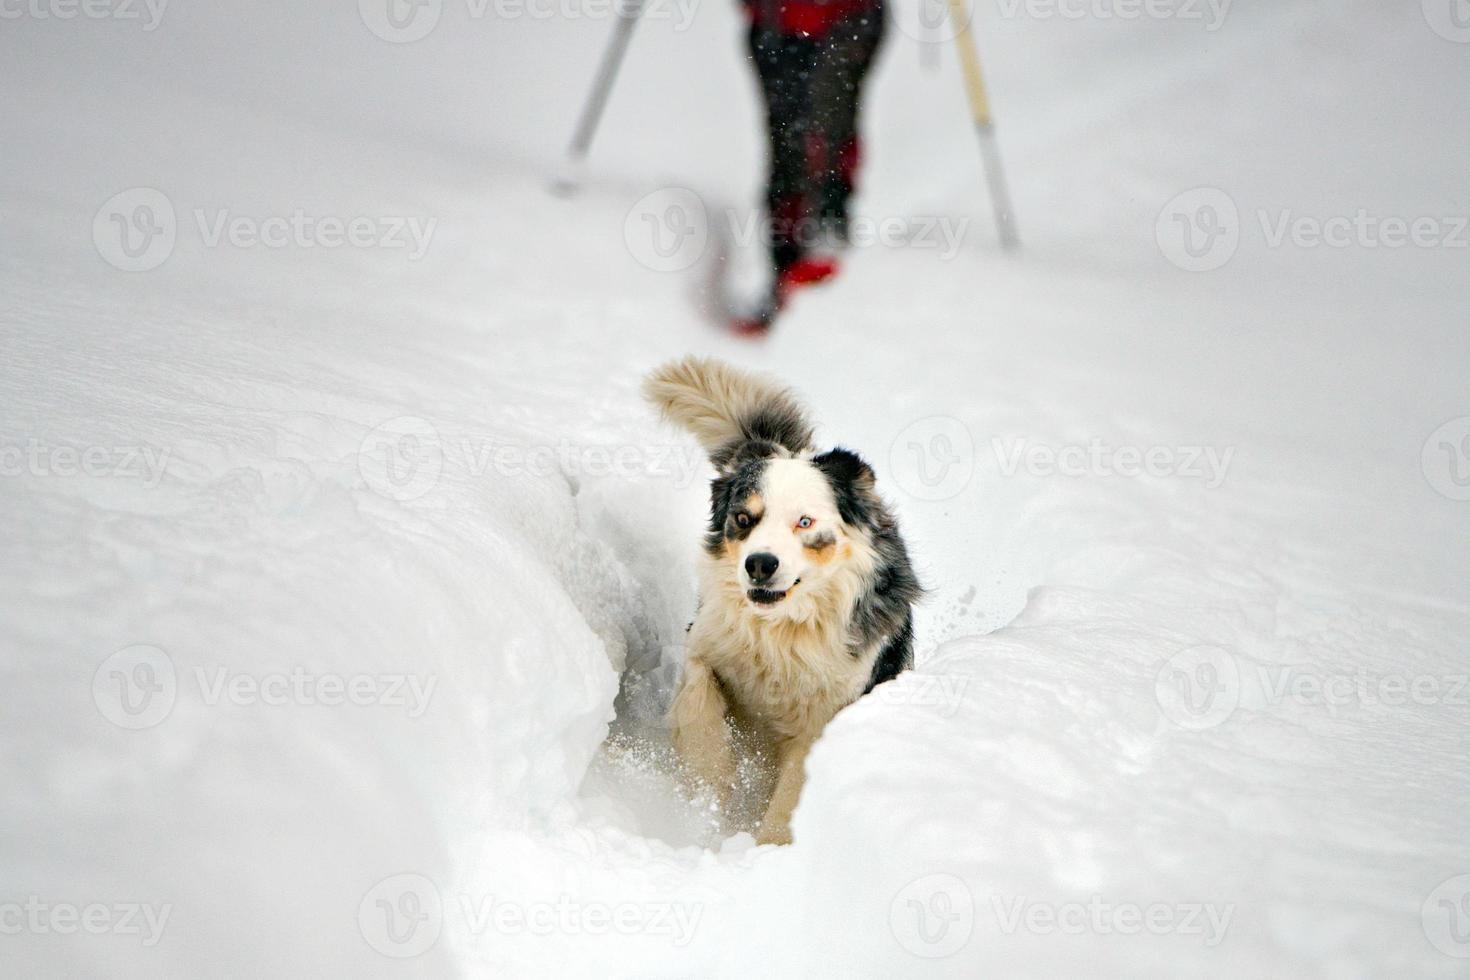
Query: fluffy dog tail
(726, 408)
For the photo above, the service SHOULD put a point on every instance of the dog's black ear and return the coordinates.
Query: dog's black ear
(730, 458)
(719, 501)
(852, 483)
(847, 467)
(719, 510)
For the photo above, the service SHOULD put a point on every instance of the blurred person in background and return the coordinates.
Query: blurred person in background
(811, 57)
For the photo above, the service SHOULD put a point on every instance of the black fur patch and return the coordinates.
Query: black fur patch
(884, 612)
(851, 480)
(727, 493)
(896, 656)
(776, 428)
(820, 541)
(736, 454)
(782, 424)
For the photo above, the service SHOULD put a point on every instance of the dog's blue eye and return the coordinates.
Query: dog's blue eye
(805, 523)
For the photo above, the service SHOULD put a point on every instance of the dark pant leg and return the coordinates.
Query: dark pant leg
(836, 94)
(784, 65)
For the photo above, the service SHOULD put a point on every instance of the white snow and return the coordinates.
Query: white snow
(388, 528)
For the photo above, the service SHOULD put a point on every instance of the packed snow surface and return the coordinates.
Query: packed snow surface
(346, 574)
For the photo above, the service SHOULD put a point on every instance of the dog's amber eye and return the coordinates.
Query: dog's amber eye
(742, 520)
(805, 523)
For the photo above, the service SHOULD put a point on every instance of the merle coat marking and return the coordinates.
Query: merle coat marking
(806, 589)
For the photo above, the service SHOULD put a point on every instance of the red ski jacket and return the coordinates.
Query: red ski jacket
(806, 18)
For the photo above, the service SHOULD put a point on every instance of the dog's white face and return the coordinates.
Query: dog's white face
(785, 536)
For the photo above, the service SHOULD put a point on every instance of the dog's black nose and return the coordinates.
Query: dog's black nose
(761, 566)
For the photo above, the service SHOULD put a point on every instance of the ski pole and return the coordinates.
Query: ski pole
(628, 12)
(1000, 197)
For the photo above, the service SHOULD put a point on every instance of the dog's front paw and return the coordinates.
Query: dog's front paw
(778, 834)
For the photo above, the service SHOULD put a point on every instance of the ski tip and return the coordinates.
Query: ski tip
(751, 328)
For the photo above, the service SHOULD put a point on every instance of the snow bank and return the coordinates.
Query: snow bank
(1148, 733)
(366, 648)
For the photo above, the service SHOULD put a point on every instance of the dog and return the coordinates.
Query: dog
(806, 591)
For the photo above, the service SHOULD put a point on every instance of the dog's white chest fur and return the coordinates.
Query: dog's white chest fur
(790, 674)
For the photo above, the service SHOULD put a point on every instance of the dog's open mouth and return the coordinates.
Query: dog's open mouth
(769, 597)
